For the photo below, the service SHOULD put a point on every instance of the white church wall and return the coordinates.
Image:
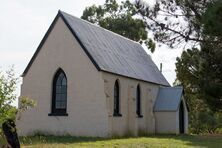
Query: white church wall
(129, 123)
(86, 105)
(166, 122)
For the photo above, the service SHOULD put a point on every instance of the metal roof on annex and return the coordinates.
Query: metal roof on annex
(168, 99)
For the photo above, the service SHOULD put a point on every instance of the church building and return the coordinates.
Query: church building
(88, 81)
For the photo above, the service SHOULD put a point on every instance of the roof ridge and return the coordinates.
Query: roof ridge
(98, 27)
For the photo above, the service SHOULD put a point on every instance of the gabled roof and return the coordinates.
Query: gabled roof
(168, 99)
(111, 52)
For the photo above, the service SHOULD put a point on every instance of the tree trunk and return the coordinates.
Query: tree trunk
(10, 133)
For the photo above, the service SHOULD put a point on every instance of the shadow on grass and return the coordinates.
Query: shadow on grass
(56, 139)
(209, 141)
(186, 140)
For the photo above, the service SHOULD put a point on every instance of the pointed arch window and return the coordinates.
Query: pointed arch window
(59, 94)
(138, 101)
(116, 107)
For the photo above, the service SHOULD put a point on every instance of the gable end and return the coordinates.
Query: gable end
(46, 36)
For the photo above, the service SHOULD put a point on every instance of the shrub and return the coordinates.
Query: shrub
(205, 122)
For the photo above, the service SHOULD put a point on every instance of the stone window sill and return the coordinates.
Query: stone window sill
(57, 114)
(139, 116)
(117, 115)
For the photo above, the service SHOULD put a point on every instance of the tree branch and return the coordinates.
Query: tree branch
(186, 37)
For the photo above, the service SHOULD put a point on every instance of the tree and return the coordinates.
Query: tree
(198, 23)
(200, 71)
(178, 21)
(121, 19)
(8, 85)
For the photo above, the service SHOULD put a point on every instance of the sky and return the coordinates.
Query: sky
(24, 23)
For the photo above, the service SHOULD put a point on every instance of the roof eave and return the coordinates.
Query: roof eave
(79, 41)
(41, 44)
(163, 85)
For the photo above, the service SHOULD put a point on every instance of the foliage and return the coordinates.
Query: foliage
(205, 122)
(213, 19)
(121, 19)
(199, 71)
(8, 84)
(199, 68)
(172, 22)
(7, 95)
(2, 139)
(25, 103)
(177, 21)
(147, 141)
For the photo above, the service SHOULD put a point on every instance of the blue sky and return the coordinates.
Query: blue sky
(24, 23)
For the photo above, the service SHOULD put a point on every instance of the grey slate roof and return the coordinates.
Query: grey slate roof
(114, 53)
(168, 99)
(109, 51)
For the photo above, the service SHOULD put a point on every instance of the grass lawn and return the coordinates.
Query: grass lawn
(148, 141)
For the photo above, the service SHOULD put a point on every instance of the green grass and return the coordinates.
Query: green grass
(2, 140)
(171, 141)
